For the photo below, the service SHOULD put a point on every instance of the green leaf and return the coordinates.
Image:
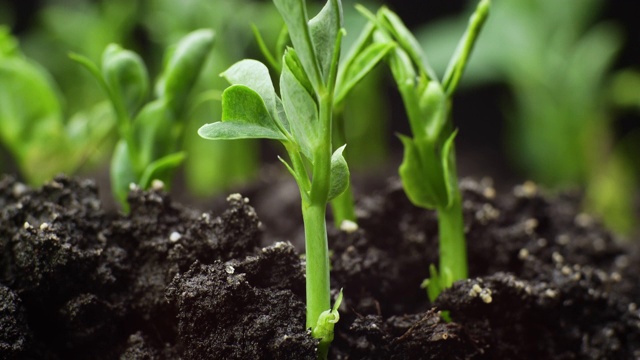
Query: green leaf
(407, 41)
(360, 66)
(324, 28)
(162, 169)
(302, 112)
(292, 61)
(449, 167)
(339, 178)
(255, 75)
(244, 116)
(327, 321)
(460, 58)
(433, 112)
(156, 132)
(122, 173)
(421, 175)
(126, 75)
(294, 13)
(184, 65)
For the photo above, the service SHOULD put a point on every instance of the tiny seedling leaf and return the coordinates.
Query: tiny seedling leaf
(244, 116)
(327, 321)
(449, 167)
(339, 180)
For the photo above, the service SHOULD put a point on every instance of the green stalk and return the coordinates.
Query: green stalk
(453, 250)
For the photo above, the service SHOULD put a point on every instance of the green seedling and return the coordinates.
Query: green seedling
(150, 132)
(33, 127)
(300, 117)
(361, 59)
(428, 169)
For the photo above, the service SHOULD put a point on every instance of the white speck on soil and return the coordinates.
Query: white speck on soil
(583, 220)
(616, 277)
(523, 254)
(175, 236)
(234, 197)
(19, 189)
(530, 226)
(44, 226)
(527, 190)
(551, 293)
(563, 239)
(26, 225)
(133, 186)
(489, 193)
(483, 293)
(541, 242)
(566, 270)
(348, 226)
(157, 185)
(632, 307)
(557, 258)
(229, 269)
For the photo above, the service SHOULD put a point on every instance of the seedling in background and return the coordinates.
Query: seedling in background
(149, 145)
(301, 119)
(428, 169)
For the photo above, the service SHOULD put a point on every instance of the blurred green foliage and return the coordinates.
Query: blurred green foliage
(148, 27)
(558, 65)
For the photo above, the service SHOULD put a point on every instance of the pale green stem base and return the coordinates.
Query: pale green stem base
(453, 249)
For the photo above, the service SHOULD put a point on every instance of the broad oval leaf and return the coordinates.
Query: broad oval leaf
(255, 75)
(339, 178)
(302, 112)
(244, 116)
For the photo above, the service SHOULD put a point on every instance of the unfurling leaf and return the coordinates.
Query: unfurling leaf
(244, 116)
(184, 66)
(360, 66)
(327, 321)
(126, 76)
(433, 112)
(421, 174)
(339, 178)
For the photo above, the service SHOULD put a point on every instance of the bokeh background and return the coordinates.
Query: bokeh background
(551, 94)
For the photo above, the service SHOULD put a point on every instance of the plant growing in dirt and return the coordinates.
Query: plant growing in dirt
(301, 119)
(150, 132)
(33, 127)
(428, 170)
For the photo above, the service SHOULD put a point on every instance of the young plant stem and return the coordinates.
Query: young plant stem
(453, 251)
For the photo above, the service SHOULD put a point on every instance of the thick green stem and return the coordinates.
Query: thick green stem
(453, 250)
(317, 257)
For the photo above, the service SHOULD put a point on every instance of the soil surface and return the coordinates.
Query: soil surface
(170, 282)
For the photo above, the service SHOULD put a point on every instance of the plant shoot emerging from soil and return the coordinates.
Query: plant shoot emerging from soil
(149, 146)
(428, 169)
(300, 117)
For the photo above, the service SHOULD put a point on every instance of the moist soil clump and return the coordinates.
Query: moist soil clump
(169, 282)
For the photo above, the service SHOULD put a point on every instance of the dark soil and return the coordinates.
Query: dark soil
(168, 282)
